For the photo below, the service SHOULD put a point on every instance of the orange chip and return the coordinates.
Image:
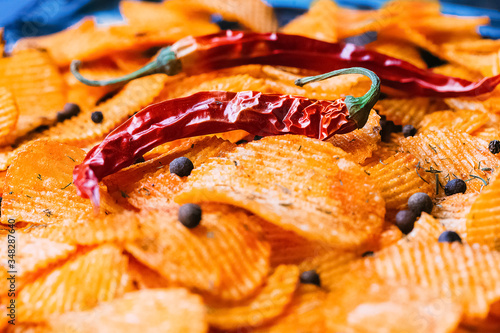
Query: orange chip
(301, 184)
(32, 256)
(378, 305)
(408, 111)
(483, 219)
(398, 49)
(8, 116)
(426, 230)
(39, 188)
(448, 155)
(398, 178)
(224, 257)
(463, 274)
(130, 61)
(384, 151)
(143, 277)
(37, 87)
(451, 211)
(157, 310)
(361, 142)
(390, 235)
(287, 247)
(458, 71)
(316, 23)
(461, 120)
(95, 276)
(151, 185)
(303, 314)
(270, 301)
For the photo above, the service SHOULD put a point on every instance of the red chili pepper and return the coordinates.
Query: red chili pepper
(220, 111)
(194, 55)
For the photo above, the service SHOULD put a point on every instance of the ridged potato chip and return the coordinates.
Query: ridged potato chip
(225, 257)
(398, 49)
(458, 71)
(269, 302)
(448, 155)
(97, 275)
(8, 116)
(452, 210)
(426, 230)
(483, 219)
(398, 178)
(408, 111)
(362, 142)
(37, 87)
(303, 314)
(39, 185)
(173, 310)
(462, 274)
(378, 305)
(150, 185)
(301, 184)
(460, 120)
(316, 23)
(143, 277)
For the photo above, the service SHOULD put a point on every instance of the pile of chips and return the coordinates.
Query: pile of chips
(394, 227)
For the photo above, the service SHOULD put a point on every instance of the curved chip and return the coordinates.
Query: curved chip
(448, 155)
(8, 116)
(94, 276)
(483, 219)
(37, 87)
(378, 305)
(452, 210)
(362, 142)
(270, 301)
(398, 178)
(408, 111)
(460, 120)
(143, 277)
(462, 274)
(303, 314)
(39, 185)
(398, 49)
(301, 184)
(316, 23)
(157, 310)
(150, 185)
(426, 230)
(225, 257)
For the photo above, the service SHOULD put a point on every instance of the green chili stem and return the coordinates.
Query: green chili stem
(166, 63)
(359, 107)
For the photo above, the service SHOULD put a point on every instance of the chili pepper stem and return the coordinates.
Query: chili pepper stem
(359, 107)
(165, 63)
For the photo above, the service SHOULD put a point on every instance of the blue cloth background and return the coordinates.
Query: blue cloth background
(24, 18)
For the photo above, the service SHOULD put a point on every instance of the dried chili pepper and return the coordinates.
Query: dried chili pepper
(220, 111)
(194, 55)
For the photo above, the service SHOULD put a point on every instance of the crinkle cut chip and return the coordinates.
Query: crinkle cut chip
(460, 120)
(301, 184)
(225, 257)
(8, 116)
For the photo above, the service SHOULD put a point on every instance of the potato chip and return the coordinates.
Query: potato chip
(8, 116)
(37, 87)
(408, 111)
(298, 183)
(463, 274)
(157, 310)
(400, 50)
(225, 257)
(460, 120)
(361, 142)
(426, 230)
(378, 305)
(130, 61)
(316, 23)
(390, 235)
(303, 314)
(33, 255)
(287, 247)
(92, 230)
(451, 211)
(438, 152)
(398, 178)
(97, 275)
(269, 302)
(151, 185)
(486, 64)
(458, 71)
(384, 151)
(483, 220)
(39, 185)
(143, 277)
